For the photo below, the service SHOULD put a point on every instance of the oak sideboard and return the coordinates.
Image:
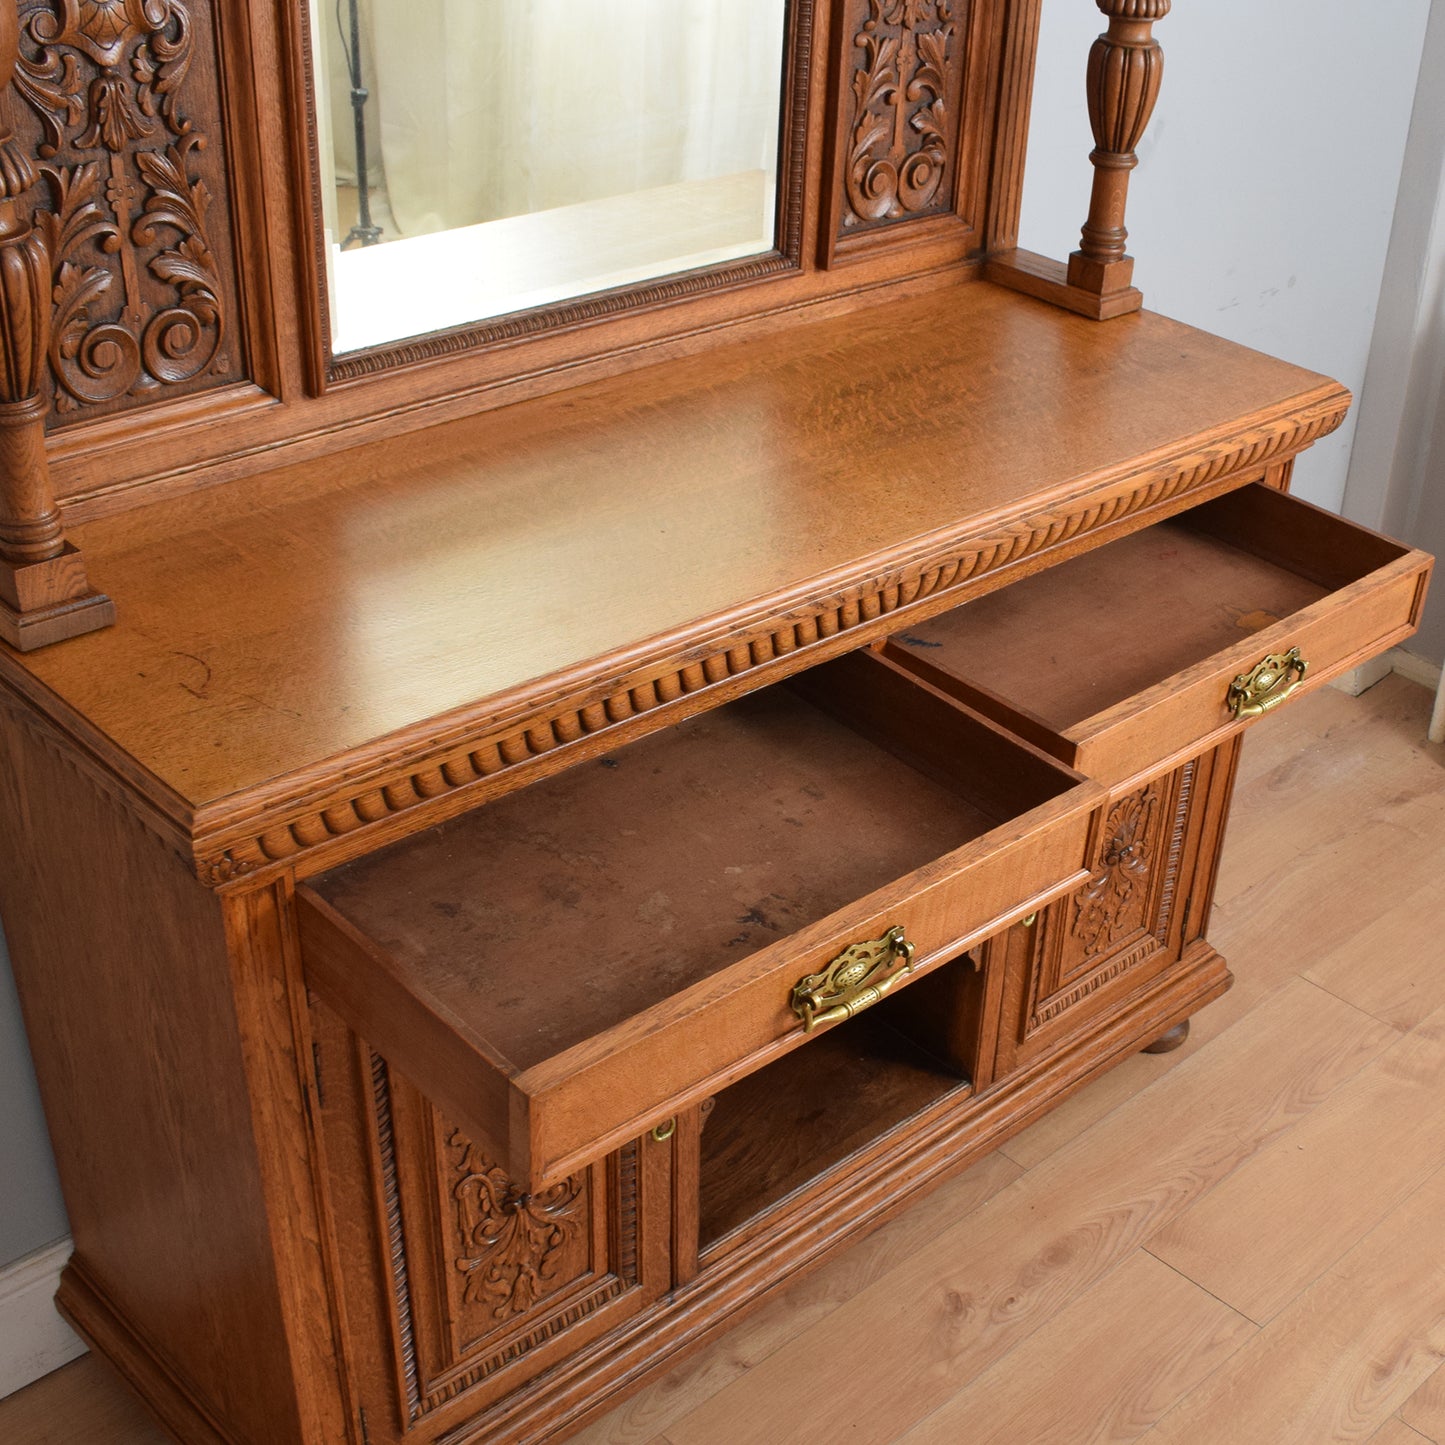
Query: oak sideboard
(519, 840)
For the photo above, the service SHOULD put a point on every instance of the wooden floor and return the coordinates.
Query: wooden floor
(1242, 1242)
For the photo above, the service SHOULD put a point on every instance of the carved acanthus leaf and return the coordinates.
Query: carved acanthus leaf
(898, 152)
(509, 1239)
(105, 76)
(1102, 913)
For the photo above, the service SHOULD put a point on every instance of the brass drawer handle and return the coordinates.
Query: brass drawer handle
(1266, 684)
(855, 980)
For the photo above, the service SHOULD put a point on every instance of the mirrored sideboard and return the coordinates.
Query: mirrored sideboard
(564, 816)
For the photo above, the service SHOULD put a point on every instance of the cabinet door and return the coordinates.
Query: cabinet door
(1140, 915)
(458, 1287)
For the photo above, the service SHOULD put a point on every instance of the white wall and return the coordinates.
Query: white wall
(31, 1212)
(1397, 468)
(1265, 193)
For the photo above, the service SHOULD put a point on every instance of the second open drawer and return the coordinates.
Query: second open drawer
(569, 966)
(1149, 649)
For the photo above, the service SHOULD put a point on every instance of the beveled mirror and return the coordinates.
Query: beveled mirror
(482, 158)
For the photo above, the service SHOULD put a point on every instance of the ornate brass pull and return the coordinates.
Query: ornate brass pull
(1266, 684)
(856, 979)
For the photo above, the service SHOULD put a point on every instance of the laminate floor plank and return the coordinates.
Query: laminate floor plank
(1345, 1355)
(1424, 1411)
(812, 1298)
(1391, 969)
(1396, 1432)
(1282, 1218)
(1336, 762)
(986, 1285)
(1115, 1360)
(83, 1403)
(1330, 889)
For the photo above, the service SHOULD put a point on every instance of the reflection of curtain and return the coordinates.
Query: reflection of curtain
(490, 108)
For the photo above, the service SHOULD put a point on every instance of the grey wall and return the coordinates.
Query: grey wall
(31, 1212)
(1397, 469)
(1264, 199)
(1262, 210)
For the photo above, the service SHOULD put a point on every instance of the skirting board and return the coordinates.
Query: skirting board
(33, 1338)
(1407, 664)
(1397, 659)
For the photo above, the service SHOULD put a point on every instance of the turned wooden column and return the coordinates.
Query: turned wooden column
(44, 593)
(1125, 68)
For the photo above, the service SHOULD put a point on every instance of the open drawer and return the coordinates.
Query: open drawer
(1147, 650)
(570, 965)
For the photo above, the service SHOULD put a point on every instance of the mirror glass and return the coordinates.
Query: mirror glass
(515, 153)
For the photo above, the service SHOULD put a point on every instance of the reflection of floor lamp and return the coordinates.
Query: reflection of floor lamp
(365, 230)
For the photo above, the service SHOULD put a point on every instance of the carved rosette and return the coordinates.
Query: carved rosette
(509, 1239)
(139, 300)
(1103, 907)
(902, 115)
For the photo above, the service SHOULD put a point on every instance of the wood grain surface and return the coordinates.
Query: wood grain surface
(327, 606)
(1338, 825)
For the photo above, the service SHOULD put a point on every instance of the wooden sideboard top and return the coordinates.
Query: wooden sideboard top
(326, 646)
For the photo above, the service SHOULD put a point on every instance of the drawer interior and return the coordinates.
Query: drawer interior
(1070, 642)
(559, 912)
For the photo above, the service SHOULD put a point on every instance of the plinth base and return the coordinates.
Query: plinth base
(39, 627)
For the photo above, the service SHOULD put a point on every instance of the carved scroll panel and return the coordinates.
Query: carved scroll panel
(122, 109)
(901, 93)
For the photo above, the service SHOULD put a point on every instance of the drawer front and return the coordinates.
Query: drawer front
(1134, 657)
(1214, 699)
(700, 1042)
(611, 1081)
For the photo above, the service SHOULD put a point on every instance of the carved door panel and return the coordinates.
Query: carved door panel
(1141, 912)
(457, 1286)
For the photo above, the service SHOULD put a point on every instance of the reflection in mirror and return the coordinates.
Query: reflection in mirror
(515, 153)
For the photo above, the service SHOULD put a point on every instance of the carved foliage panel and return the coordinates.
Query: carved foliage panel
(120, 101)
(1120, 918)
(483, 1273)
(901, 93)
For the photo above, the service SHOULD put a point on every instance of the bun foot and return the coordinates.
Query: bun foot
(1166, 1043)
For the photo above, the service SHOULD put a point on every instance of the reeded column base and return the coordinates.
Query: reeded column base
(1101, 278)
(45, 602)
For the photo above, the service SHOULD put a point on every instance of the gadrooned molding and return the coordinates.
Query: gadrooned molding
(287, 831)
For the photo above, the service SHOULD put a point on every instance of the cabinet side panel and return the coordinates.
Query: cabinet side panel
(121, 963)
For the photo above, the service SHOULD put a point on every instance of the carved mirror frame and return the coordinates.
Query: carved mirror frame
(796, 76)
